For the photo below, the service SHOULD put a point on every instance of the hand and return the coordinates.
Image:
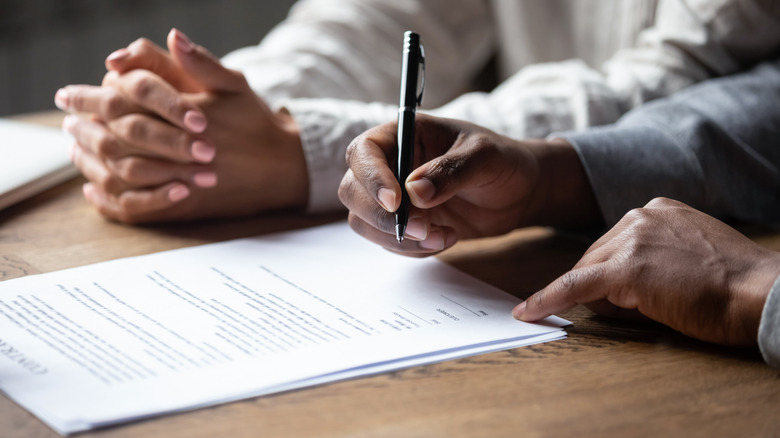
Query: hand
(468, 182)
(175, 136)
(672, 264)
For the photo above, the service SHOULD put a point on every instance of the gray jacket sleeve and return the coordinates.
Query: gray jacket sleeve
(769, 329)
(714, 146)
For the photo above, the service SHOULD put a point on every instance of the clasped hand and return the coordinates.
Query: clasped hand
(175, 135)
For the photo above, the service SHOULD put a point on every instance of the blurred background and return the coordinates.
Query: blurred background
(45, 44)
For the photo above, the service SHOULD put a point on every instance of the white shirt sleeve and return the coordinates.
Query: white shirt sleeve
(342, 54)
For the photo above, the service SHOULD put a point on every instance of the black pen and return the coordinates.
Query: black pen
(412, 72)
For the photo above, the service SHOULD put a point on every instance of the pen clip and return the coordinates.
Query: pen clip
(422, 74)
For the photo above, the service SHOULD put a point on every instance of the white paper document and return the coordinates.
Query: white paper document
(137, 337)
(35, 158)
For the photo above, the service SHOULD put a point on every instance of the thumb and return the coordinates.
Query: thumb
(457, 171)
(203, 67)
(143, 54)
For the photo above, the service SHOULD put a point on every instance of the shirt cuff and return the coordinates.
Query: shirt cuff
(630, 165)
(769, 328)
(327, 126)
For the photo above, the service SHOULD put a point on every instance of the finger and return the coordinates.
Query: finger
(367, 159)
(135, 172)
(94, 136)
(467, 164)
(438, 239)
(151, 92)
(155, 138)
(143, 54)
(106, 102)
(135, 206)
(578, 286)
(360, 203)
(203, 67)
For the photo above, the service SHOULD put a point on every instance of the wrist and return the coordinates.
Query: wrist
(293, 174)
(563, 196)
(754, 285)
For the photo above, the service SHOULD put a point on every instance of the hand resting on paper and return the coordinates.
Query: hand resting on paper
(468, 182)
(175, 135)
(673, 264)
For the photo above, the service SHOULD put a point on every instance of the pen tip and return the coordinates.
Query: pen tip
(399, 233)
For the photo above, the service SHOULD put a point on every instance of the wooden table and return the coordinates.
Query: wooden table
(608, 378)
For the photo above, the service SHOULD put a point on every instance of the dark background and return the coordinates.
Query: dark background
(46, 44)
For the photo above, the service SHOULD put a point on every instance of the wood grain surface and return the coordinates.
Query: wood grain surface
(608, 378)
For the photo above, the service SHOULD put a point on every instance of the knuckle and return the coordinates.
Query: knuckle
(130, 170)
(446, 167)
(141, 87)
(346, 188)
(107, 182)
(113, 105)
(352, 149)
(125, 210)
(134, 128)
(105, 145)
(141, 45)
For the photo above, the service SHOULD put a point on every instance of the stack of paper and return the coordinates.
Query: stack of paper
(137, 337)
(34, 158)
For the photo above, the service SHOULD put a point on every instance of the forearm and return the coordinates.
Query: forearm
(351, 49)
(713, 147)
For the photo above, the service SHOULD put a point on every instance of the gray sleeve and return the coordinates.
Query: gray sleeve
(769, 329)
(714, 146)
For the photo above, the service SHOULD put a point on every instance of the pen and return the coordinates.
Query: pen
(412, 72)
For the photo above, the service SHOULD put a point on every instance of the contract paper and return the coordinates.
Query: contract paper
(137, 337)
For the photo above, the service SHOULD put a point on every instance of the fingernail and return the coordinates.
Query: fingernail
(205, 179)
(203, 151)
(88, 190)
(68, 123)
(434, 241)
(518, 311)
(422, 189)
(387, 199)
(117, 55)
(72, 152)
(416, 228)
(195, 121)
(178, 192)
(183, 43)
(61, 99)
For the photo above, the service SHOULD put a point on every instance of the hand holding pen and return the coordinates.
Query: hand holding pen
(469, 181)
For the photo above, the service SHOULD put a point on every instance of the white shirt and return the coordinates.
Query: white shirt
(564, 64)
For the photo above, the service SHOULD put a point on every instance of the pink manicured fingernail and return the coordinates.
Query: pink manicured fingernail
(205, 179)
(195, 121)
(518, 311)
(178, 192)
(61, 99)
(203, 151)
(68, 123)
(182, 42)
(117, 55)
(386, 198)
(416, 228)
(89, 191)
(423, 188)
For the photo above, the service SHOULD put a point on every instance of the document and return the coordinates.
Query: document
(137, 337)
(35, 158)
